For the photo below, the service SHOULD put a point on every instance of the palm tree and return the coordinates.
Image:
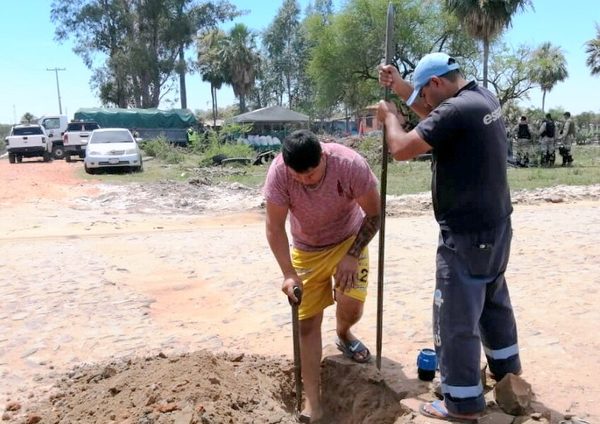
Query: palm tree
(186, 18)
(211, 65)
(241, 62)
(592, 48)
(549, 67)
(485, 19)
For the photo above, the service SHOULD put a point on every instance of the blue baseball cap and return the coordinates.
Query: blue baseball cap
(431, 65)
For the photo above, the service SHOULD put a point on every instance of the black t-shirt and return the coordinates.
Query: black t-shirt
(469, 184)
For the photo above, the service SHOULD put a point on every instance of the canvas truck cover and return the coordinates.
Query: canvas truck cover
(138, 118)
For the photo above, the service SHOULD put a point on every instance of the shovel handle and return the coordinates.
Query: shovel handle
(298, 293)
(296, 340)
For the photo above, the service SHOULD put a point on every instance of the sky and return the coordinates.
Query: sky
(28, 50)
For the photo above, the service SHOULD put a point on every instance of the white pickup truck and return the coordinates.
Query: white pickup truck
(55, 126)
(27, 141)
(76, 137)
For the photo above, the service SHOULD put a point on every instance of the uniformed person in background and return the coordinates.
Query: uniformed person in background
(547, 134)
(524, 142)
(566, 138)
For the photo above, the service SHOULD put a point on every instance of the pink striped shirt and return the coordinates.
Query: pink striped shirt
(326, 215)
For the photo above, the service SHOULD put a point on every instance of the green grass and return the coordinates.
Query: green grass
(414, 177)
(403, 177)
(154, 170)
(585, 171)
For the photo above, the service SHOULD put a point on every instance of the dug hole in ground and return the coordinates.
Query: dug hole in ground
(160, 303)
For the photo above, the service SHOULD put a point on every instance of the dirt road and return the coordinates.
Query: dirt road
(84, 282)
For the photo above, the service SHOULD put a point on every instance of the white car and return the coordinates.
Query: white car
(110, 148)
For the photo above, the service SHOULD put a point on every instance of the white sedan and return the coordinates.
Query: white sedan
(112, 147)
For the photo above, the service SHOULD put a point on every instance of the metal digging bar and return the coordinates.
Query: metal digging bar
(296, 339)
(389, 55)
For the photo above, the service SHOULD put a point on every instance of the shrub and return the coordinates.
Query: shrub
(215, 147)
(370, 148)
(224, 144)
(161, 149)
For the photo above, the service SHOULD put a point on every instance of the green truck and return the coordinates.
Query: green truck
(145, 124)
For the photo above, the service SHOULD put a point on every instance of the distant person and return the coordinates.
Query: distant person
(524, 146)
(566, 138)
(547, 134)
(462, 122)
(331, 195)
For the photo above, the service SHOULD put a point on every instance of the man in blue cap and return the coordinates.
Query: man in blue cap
(462, 126)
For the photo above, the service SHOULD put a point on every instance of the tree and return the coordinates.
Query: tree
(510, 73)
(268, 88)
(210, 64)
(241, 62)
(485, 20)
(283, 41)
(27, 118)
(349, 46)
(191, 19)
(549, 67)
(592, 48)
(142, 42)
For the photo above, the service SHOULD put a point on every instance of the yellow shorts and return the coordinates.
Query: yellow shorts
(316, 269)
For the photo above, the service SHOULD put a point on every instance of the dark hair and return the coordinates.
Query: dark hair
(523, 118)
(301, 150)
(548, 116)
(452, 75)
(567, 114)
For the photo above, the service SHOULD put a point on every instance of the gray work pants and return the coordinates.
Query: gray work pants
(472, 307)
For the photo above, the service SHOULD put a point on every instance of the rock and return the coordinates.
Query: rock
(536, 415)
(529, 420)
(6, 416)
(238, 358)
(168, 407)
(186, 416)
(108, 372)
(496, 418)
(33, 419)
(513, 394)
(12, 406)
(114, 390)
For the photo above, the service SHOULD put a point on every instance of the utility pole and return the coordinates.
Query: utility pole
(55, 70)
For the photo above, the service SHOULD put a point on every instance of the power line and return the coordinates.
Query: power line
(55, 70)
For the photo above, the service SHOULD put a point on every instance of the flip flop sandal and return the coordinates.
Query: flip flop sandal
(303, 418)
(352, 348)
(442, 413)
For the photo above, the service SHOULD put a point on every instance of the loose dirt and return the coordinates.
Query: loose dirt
(160, 303)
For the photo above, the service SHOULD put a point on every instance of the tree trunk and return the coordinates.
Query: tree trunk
(182, 89)
(347, 118)
(242, 103)
(289, 90)
(486, 55)
(543, 100)
(213, 95)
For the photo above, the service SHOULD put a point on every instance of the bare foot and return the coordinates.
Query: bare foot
(311, 414)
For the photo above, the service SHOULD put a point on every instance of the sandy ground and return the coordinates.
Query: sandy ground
(86, 277)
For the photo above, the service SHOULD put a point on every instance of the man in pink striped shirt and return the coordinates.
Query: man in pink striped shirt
(331, 197)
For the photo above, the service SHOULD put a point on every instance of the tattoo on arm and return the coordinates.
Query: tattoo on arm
(368, 228)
